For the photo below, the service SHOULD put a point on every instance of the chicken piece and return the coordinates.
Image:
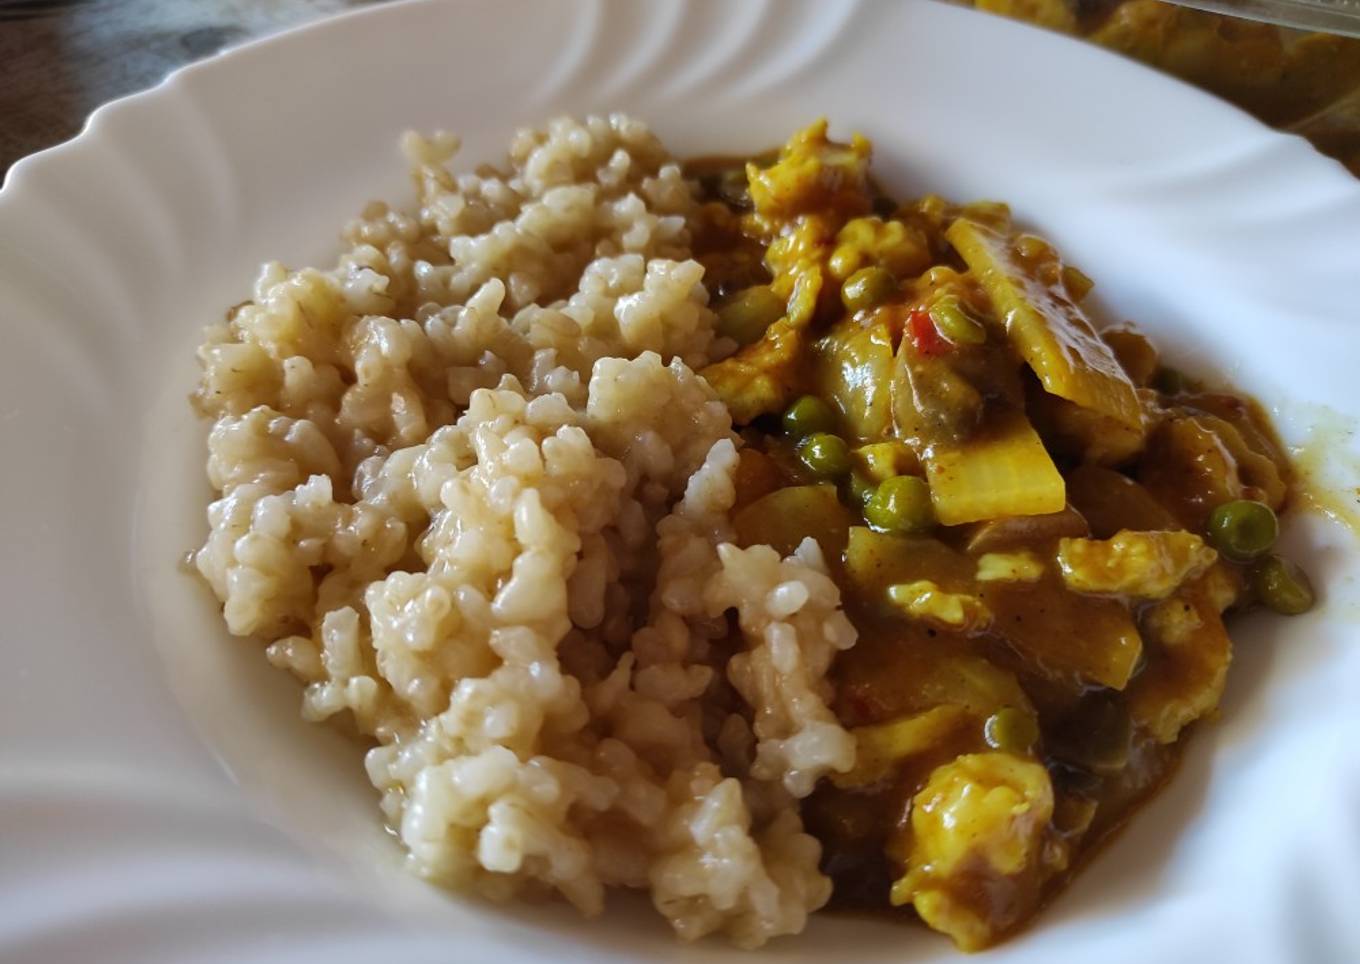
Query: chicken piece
(762, 377)
(1083, 433)
(796, 259)
(1189, 652)
(926, 601)
(902, 248)
(1188, 468)
(1246, 416)
(812, 173)
(978, 846)
(1260, 465)
(1134, 351)
(1146, 565)
(1213, 451)
(1260, 475)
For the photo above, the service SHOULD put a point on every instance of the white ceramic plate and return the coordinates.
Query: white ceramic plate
(160, 799)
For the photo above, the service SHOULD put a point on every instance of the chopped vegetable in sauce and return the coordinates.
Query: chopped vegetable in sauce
(1036, 527)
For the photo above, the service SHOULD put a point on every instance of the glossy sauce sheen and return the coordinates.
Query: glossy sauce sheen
(1110, 681)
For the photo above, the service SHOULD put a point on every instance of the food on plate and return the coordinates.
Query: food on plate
(731, 531)
(1306, 83)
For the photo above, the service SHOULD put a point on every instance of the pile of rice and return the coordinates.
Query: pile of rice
(474, 496)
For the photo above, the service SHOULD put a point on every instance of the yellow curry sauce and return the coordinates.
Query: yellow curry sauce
(1036, 527)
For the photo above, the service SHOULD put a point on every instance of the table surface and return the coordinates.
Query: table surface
(60, 59)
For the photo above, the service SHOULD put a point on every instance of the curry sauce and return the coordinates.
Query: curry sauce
(1036, 527)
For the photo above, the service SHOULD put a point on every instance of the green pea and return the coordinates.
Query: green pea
(992, 213)
(1243, 529)
(1077, 282)
(749, 312)
(1168, 381)
(1032, 247)
(954, 322)
(1011, 730)
(1282, 585)
(868, 288)
(825, 455)
(901, 504)
(807, 415)
(859, 489)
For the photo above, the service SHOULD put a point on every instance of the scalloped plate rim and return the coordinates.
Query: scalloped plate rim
(1283, 150)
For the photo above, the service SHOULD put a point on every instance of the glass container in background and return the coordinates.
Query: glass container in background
(1298, 80)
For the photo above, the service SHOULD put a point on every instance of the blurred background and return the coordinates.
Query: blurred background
(60, 59)
(1299, 80)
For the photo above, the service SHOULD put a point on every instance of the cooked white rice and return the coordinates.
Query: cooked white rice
(473, 494)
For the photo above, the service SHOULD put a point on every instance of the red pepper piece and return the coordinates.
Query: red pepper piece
(924, 335)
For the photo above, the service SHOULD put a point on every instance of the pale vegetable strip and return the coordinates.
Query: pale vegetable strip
(1049, 330)
(1002, 471)
(879, 747)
